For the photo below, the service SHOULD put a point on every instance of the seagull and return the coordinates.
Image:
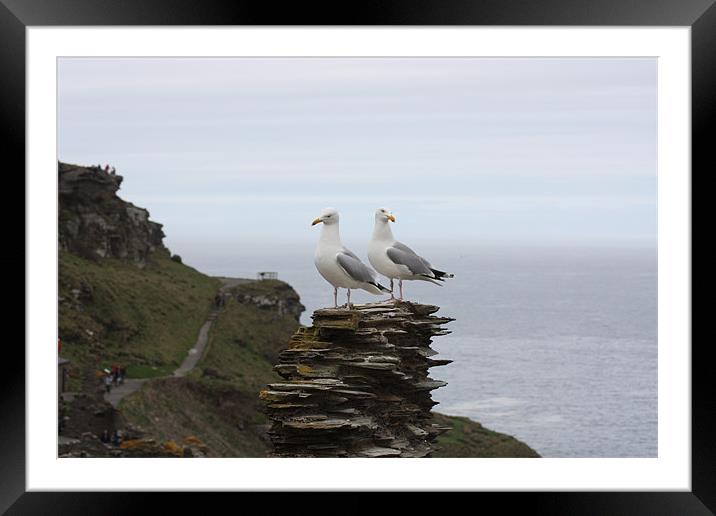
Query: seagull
(338, 266)
(398, 261)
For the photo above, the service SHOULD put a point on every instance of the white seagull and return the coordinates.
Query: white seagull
(395, 260)
(338, 266)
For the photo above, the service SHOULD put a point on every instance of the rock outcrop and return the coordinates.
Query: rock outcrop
(271, 295)
(93, 222)
(356, 384)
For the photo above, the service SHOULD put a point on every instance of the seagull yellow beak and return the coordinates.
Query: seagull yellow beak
(391, 218)
(317, 221)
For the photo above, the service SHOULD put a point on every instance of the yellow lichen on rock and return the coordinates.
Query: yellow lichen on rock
(173, 448)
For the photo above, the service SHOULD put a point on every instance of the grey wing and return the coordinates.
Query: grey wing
(403, 255)
(407, 249)
(403, 247)
(354, 267)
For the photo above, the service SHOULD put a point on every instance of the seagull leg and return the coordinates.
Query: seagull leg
(348, 304)
(392, 295)
(335, 297)
(400, 284)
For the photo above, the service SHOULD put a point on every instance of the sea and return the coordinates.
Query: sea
(554, 345)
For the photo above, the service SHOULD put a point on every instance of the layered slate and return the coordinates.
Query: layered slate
(356, 384)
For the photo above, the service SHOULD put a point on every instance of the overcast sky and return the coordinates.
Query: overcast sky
(471, 150)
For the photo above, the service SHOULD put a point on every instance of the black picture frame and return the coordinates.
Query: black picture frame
(17, 15)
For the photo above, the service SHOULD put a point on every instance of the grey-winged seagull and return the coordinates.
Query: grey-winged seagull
(395, 260)
(338, 266)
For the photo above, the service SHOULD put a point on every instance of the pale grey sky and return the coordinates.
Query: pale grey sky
(472, 150)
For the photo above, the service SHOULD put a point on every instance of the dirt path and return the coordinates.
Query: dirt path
(131, 385)
(118, 392)
(195, 353)
(193, 356)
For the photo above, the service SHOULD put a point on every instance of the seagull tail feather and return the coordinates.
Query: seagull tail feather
(440, 275)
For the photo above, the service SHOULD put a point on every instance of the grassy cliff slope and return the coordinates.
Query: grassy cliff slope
(218, 402)
(468, 438)
(144, 318)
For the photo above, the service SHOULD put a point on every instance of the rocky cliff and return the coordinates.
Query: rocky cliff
(272, 296)
(93, 222)
(356, 384)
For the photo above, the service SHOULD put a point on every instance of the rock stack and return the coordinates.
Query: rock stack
(93, 222)
(356, 384)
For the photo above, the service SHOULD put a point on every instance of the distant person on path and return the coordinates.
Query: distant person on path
(217, 300)
(106, 169)
(116, 438)
(113, 171)
(105, 437)
(108, 383)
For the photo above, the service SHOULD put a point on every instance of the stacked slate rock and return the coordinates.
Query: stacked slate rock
(356, 384)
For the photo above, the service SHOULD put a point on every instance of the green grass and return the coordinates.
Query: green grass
(137, 317)
(176, 408)
(245, 340)
(221, 408)
(269, 287)
(468, 438)
(147, 371)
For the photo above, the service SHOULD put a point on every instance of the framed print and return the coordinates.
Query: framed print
(187, 263)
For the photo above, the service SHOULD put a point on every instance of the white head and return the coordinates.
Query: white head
(328, 216)
(384, 215)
